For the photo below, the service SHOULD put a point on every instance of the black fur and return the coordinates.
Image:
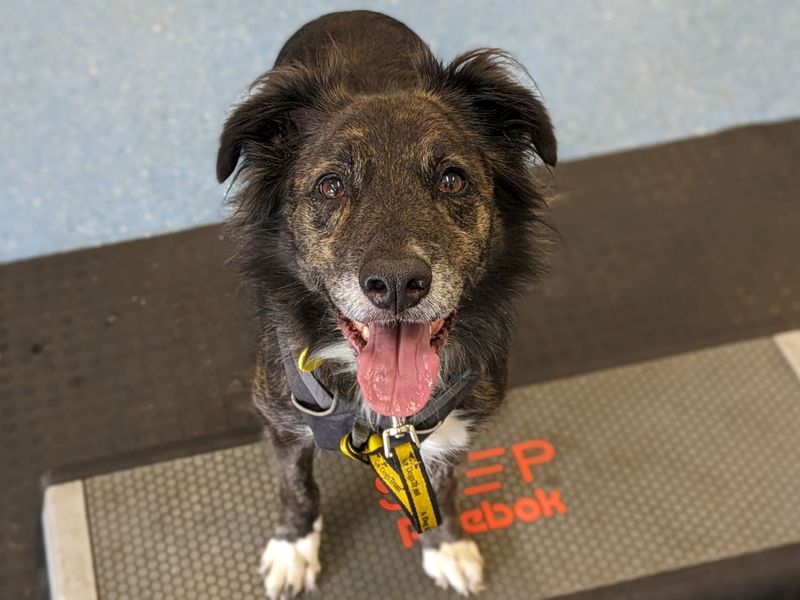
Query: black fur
(270, 144)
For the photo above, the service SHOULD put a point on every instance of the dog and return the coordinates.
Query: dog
(385, 215)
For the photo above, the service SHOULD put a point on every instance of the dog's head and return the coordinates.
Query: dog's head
(395, 210)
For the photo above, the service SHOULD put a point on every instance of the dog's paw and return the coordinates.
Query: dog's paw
(291, 568)
(458, 565)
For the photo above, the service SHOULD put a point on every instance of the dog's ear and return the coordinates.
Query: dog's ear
(487, 81)
(275, 113)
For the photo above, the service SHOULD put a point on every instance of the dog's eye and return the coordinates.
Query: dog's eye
(331, 186)
(452, 182)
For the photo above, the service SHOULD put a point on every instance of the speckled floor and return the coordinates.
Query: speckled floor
(110, 111)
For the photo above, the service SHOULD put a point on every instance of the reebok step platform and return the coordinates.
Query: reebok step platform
(672, 478)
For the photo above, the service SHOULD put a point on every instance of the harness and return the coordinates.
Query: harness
(390, 446)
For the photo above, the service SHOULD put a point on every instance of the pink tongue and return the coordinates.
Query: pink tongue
(397, 368)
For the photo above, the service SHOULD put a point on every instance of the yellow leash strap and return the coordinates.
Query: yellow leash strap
(403, 474)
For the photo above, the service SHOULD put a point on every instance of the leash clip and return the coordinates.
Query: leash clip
(398, 429)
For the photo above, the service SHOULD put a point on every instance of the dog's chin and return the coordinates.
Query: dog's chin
(398, 361)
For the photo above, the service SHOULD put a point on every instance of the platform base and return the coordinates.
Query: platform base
(608, 477)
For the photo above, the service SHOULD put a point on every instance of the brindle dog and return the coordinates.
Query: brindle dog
(386, 216)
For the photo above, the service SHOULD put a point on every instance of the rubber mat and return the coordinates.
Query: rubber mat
(687, 245)
(144, 347)
(605, 477)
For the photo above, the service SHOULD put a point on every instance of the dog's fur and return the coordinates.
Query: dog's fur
(360, 95)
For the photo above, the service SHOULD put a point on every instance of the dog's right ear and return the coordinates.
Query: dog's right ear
(277, 112)
(486, 82)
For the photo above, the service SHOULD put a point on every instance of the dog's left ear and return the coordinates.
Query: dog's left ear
(508, 111)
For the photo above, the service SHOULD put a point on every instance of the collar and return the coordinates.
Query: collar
(331, 417)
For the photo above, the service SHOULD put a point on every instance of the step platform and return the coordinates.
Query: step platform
(674, 478)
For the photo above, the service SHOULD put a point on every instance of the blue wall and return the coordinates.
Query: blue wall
(109, 111)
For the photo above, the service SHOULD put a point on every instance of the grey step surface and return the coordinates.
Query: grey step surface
(606, 477)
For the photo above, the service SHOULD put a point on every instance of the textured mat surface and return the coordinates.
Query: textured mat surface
(606, 477)
(108, 351)
(667, 249)
(141, 345)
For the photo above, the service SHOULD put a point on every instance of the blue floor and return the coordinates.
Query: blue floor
(110, 111)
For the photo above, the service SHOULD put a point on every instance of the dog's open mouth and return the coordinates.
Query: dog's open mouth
(398, 362)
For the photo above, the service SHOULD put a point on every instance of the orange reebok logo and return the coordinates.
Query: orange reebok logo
(487, 515)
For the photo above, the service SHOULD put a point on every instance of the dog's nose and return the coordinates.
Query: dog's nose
(395, 284)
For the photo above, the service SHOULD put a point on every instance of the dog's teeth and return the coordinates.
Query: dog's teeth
(365, 332)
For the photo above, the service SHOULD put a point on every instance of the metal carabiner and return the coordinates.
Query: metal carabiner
(398, 429)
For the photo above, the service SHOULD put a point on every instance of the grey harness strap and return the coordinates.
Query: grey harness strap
(330, 418)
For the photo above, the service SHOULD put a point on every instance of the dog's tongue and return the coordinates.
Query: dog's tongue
(397, 368)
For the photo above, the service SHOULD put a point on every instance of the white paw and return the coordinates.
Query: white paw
(290, 568)
(458, 565)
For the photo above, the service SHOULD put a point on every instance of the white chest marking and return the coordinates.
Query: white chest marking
(450, 438)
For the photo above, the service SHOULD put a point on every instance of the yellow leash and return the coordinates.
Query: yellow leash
(398, 465)
(403, 473)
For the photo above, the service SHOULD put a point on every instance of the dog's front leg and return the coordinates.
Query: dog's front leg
(290, 563)
(448, 556)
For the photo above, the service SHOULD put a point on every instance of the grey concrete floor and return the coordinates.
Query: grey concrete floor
(110, 110)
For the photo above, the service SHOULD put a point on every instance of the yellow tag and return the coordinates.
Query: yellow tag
(307, 365)
(391, 478)
(421, 496)
(404, 476)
